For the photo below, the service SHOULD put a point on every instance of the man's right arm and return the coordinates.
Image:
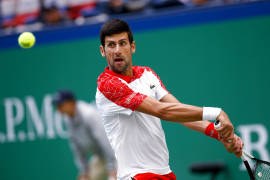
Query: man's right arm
(150, 106)
(175, 112)
(170, 109)
(226, 131)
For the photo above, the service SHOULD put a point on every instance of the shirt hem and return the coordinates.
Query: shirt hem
(155, 171)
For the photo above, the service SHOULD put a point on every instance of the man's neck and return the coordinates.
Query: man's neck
(73, 112)
(128, 72)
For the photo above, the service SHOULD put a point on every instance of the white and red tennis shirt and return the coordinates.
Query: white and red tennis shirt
(137, 138)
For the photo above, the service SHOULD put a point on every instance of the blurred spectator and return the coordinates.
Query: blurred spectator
(53, 11)
(117, 7)
(51, 15)
(87, 137)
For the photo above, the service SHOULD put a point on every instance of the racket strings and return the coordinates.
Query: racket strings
(261, 171)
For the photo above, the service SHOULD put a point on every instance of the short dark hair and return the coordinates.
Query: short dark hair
(114, 26)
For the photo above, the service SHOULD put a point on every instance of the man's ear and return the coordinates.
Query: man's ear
(102, 50)
(133, 47)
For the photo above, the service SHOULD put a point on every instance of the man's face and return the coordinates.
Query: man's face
(67, 107)
(118, 52)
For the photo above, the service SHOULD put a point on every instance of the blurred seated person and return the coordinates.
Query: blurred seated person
(51, 16)
(116, 7)
(87, 137)
(53, 11)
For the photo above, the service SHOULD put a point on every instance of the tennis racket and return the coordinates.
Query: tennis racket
(261, 169)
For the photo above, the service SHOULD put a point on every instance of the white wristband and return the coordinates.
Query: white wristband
(210, 113)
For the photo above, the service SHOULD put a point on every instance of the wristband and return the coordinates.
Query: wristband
(211, 131)
(210, 113)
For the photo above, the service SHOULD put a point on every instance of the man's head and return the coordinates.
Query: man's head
(117, 45)
(65, 102)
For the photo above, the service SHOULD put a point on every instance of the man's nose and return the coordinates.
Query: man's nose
(117, 50)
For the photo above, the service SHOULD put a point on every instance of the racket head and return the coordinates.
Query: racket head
(260, 170)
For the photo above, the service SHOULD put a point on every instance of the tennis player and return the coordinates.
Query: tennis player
(132, 100)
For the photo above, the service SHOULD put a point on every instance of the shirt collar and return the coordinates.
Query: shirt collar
(125, 78)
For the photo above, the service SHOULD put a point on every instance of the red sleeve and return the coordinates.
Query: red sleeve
(118, 92)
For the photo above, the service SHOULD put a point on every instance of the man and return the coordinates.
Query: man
(87, 137)
(132, 100)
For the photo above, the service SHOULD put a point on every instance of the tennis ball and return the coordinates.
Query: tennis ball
(26, 40)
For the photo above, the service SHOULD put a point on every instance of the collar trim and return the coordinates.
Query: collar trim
(125, 78)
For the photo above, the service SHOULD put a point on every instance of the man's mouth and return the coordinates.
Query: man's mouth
(118, 60)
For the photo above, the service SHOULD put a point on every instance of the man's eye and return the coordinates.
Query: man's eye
(111, 45)
(123, 43)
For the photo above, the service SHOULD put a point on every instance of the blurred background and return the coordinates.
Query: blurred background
(206, 52)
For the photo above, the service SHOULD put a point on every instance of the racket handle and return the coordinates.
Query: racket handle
(243, 157)
(248, 154)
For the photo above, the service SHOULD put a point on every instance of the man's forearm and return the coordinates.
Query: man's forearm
(175, 112)
(199, 126)
(170, 109)
(178, 112)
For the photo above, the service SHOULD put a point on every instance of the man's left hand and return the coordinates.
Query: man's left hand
(235, 146)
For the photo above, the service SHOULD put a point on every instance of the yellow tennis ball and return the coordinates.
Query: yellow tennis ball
(26, 40)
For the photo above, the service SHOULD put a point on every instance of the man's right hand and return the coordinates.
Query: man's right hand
(226, 130)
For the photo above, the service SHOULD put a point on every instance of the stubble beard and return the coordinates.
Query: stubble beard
(121, 69)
